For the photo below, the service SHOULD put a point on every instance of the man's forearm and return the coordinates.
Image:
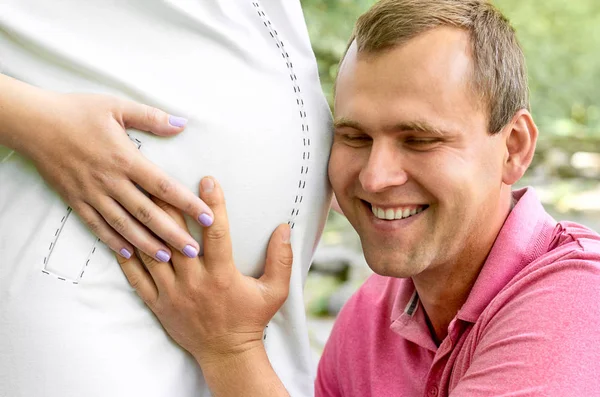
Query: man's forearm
(245, 374)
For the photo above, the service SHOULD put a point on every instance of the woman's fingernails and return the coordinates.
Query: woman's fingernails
(163, 256)
(207, 185)
(177, 121)
(205, 220)
(190, 251)
(125, 253)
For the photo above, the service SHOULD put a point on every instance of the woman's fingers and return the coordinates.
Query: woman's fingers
(123, 223)
(149, 119)
(155, 218)
(159, 184)
(186, 266)
(96, 223)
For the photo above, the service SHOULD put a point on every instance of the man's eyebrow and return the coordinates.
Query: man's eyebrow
(414, 125)
(418, 126)
(344, 122)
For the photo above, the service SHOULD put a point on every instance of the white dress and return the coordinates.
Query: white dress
(244, 74)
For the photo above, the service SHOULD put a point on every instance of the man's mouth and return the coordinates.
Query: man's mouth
(394, 213)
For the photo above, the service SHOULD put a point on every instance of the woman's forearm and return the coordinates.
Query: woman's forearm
(24, 109)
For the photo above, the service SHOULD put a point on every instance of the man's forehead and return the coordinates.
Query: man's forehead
(427, 75)
(442, 51)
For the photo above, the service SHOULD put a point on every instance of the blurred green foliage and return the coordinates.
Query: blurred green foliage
(561, 41)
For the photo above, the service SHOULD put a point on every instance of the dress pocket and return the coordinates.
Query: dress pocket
(70, 249)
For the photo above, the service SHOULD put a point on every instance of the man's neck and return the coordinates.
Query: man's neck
(441, 301)
(444, 290)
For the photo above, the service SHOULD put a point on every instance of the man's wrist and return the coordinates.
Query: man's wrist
(245, 371)
(214, 360)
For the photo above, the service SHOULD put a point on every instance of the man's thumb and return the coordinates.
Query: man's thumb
(150, 119)
(278, 267)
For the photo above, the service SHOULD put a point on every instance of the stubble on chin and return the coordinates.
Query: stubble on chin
(390, 262)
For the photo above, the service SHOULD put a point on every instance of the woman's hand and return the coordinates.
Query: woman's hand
(212, 310)
(79, 145)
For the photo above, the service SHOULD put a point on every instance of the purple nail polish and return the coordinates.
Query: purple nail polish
(190, 251)
(177, 121)
(125, 253)
(163, 256)
(205, 220)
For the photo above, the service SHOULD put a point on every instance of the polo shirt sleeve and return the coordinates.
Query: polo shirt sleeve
(542, 336)
(327, 383)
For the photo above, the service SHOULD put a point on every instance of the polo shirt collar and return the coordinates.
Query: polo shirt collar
(408, 317)
(525, 236)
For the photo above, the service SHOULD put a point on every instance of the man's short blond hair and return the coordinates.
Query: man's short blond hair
(499, 75)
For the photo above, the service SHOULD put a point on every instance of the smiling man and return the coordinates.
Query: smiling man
(477, 291)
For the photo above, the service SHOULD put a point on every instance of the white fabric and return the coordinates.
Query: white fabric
(244, 74)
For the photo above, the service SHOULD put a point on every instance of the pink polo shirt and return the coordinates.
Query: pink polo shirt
(530, 326)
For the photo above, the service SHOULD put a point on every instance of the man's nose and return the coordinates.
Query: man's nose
(384, 168)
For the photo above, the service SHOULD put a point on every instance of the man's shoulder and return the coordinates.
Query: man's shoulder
(541, 329)
(575, 239)
(570, 262)
(573, 247)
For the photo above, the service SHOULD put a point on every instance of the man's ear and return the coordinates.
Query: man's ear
(520, 137)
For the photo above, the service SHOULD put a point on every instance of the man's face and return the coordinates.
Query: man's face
(412, 165)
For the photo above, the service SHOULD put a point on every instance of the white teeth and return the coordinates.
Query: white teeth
(391, 214)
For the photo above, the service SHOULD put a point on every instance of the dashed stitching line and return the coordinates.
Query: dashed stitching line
(302, 112)
(63, 221)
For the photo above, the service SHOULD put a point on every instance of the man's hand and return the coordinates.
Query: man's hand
(79, 145)
(210, 308)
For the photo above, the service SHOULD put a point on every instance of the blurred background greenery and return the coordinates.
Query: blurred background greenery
(561, 41)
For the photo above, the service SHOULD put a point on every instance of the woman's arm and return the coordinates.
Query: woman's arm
(79, 146)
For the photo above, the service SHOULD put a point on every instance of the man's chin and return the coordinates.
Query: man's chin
(391, 266)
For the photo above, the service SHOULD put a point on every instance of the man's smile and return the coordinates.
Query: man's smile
(396, 212)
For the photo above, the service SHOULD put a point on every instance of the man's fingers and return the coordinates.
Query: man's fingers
(159, 184)
(150, 119)
(139, 279)
(217, 241)
(278, 267)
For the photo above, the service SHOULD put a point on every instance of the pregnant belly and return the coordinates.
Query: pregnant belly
(259, 147)
(69, 323)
